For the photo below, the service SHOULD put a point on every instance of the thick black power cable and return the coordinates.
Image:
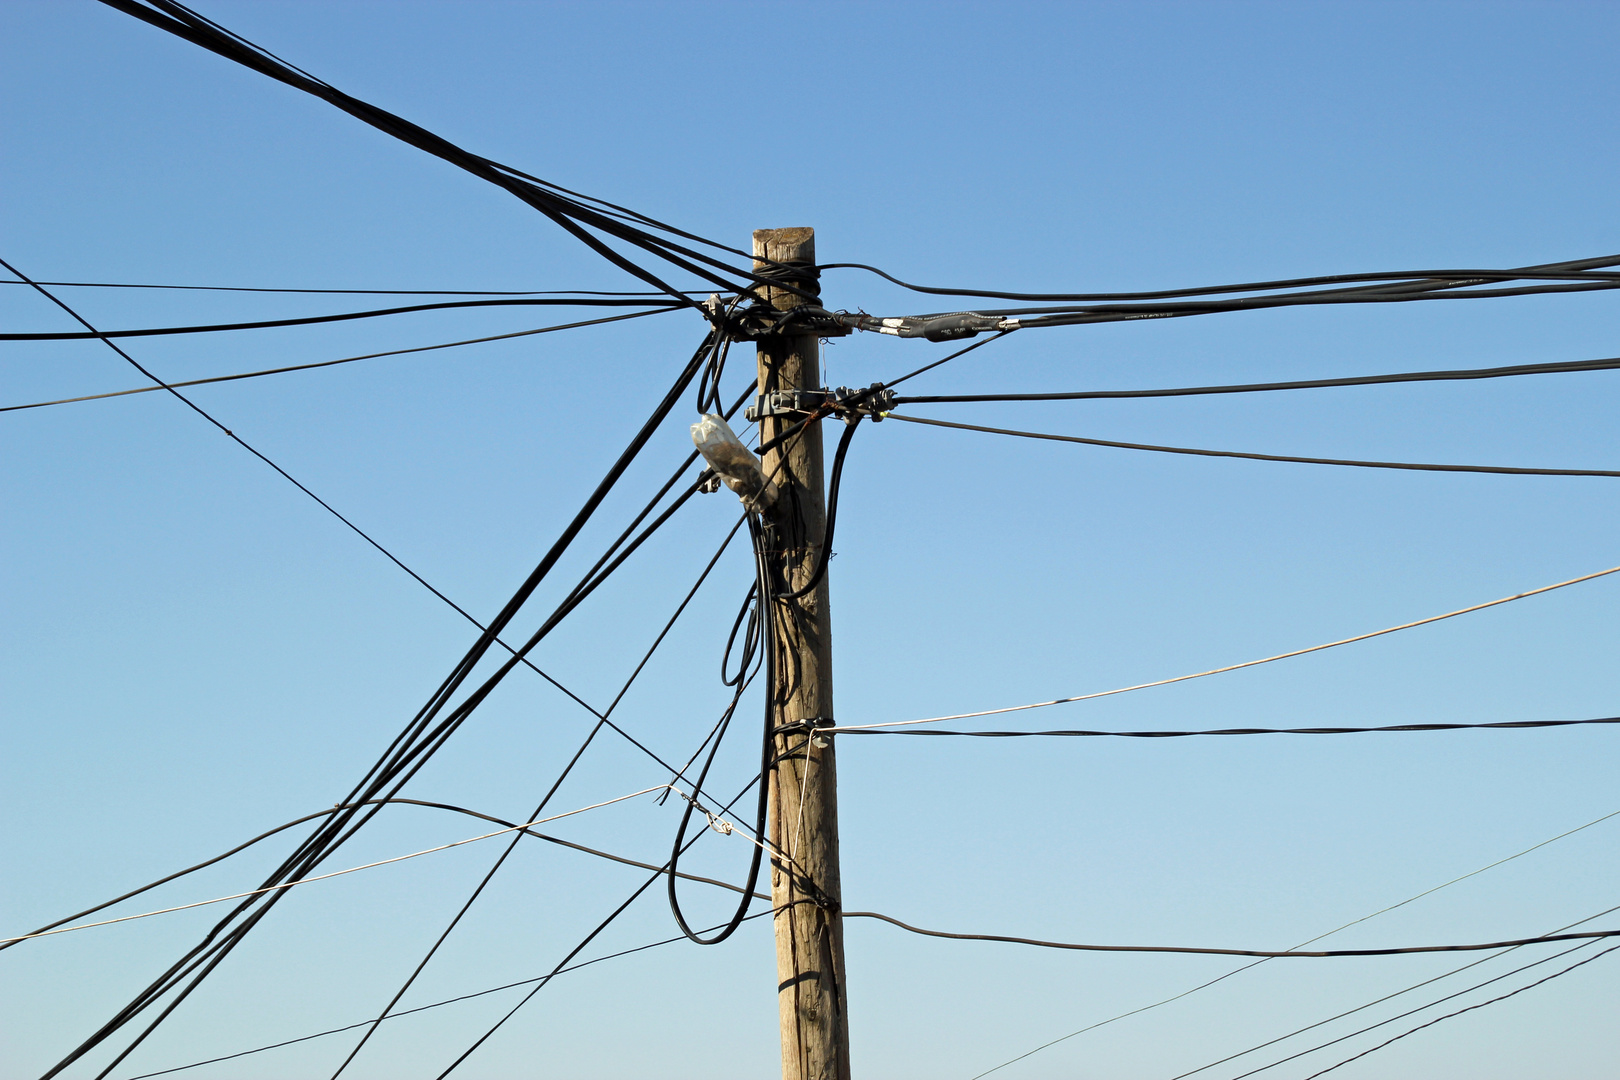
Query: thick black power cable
(595, 575)
(45, 931)
(544, 802)
(312, 320)
(1608, 364)
(948, 325)
(576, 214)
(342, 360)
(833, 484)
(433, 1005)
(603, 925)
(1083, 734)
(768, 642)
(1197, 452)
(1315, 954)
(400, 761)
(345, 292)
(1251, 286)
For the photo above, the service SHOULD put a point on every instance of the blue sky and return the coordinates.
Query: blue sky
(195, 652)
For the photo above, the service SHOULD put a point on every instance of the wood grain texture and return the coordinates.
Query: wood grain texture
(804, 783)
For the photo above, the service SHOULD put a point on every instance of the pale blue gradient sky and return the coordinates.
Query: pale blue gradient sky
(195, 652)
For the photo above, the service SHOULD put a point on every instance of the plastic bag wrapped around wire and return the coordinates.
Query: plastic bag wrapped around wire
(733, 462)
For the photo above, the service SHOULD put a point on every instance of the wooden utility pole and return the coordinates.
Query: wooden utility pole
(805, 891)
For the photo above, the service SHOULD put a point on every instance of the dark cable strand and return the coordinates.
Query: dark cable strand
(1269, 954)
(544, 802)
(313, 320)
(343, 360)
(1468, 1009)
(603, 925)
(424, 1008)
(1390, 997)
(1082, 734)
(1198, 452)
(409, 751)
(345, 292)
(1607, 364)
(1550, 270)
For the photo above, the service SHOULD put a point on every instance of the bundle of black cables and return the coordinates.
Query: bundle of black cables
(758, 650)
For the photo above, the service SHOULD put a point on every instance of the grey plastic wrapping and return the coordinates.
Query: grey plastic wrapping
(733, 462)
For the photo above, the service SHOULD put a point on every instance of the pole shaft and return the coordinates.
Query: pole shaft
(805, 890)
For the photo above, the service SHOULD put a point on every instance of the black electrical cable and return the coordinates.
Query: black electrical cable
(578, 215)
(1407, 465)
(1318, 954)
(312, 320)
(433, 1005)
(1470, 1008)
(1059, 316)
(832, 513)
(1548, 271)
(343, 360)
(768, 643)
(1390, 1020)
(344, 292)
(400, 761)
(946, 325)
(1081, 734)
(1608, 364)
(170, 387)
(946, 359)
(603, 925)
(44, 931)
(552, 790)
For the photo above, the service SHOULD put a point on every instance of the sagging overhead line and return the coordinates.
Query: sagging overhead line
(345, 316)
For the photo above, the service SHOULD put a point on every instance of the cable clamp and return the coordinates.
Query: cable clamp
(787, 403)
(873, 401)
(812, 726)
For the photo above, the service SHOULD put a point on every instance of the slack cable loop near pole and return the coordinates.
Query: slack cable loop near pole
(1232, 667)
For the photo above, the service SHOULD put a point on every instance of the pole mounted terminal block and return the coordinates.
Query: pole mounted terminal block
(733, 462)
(873, 401)
(787, 403)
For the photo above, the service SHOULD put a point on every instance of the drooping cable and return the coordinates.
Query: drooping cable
(1470, 1008)
(767, 641)
(314, 320)
(1390, 997)
(603, 925)
(587, 219)
(1084, 734)
(342, 360)
(833, 484)
(1409, 466)
(409, 751)
(550, 791)
(1561, 368)
(343, 292)
(1549, 271)
(1319, 937)
(1270, 954)
(432, 1005)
